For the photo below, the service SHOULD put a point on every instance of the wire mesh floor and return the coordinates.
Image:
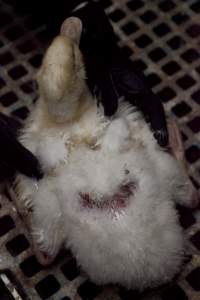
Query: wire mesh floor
(163, 39)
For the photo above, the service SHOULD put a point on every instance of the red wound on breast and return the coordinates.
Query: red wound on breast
(116, 202)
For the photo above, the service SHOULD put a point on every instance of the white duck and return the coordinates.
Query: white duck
(109, 190)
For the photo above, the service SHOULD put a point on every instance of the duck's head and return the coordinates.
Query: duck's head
(61, 78)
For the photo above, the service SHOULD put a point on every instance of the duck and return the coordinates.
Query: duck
(109, 190)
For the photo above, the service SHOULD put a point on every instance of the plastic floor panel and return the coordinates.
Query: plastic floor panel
(163, 39)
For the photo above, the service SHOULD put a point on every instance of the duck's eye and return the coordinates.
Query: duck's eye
(126, 171)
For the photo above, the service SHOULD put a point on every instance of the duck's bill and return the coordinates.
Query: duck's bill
(72, 28)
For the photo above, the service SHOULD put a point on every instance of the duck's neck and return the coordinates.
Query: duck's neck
(86, 103)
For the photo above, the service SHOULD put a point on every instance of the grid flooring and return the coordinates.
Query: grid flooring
(163, 39)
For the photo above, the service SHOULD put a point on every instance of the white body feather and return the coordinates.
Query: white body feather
(138, 245)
